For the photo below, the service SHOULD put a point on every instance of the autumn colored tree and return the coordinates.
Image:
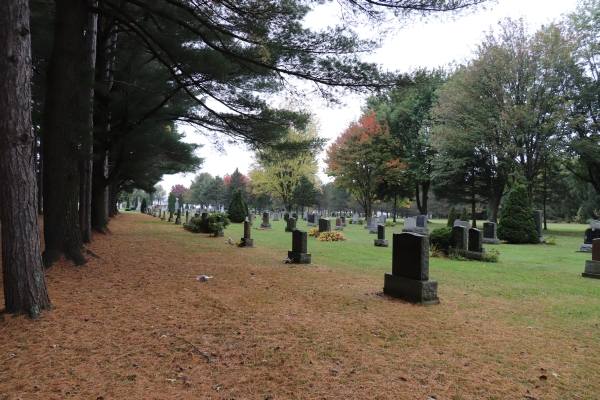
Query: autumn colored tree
(363, 157)
(178, 190)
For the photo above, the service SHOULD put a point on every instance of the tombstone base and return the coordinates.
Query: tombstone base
(471, 255)
(178, 221)
(311, 224)
(170, 220)
(491, 241)
(290, 229)
(247, 242)
(411, 290)
(373, 230)
(592, 269)
(338, 228)
(218, 234)
(299, 258)
(265, 225)
(381, 242)
(585, 248)
(420, 231)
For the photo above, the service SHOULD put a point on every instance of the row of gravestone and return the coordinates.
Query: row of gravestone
(409, 279)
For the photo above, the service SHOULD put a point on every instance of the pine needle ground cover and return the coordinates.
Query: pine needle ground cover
(135, 323)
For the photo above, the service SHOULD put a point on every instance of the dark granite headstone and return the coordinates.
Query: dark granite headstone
(299, 254)
(291, 224)
(380, 232)
(310, 218)
(343, 221)
(187, 217)
(596, 250)
(265, 223)
(421, 221)
(410, 256)
(590, 235)
(475, 240)
(299, 241)
(247, 241)
(459, 237)
(178, 218)
(338, 224)
(381, 241)
(489, 230)
(409, 279)
(324, 225)
(204, 216)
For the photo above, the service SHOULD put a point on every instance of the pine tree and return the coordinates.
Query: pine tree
(237, 211)
(451, 217)
(171, 202)
(144, 205)
(516, 221)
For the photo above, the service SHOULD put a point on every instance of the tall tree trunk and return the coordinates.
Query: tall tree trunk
(99, 217)
(106, 45)
(22, 269)
(40, 178)
(87, 142)
(61, 134)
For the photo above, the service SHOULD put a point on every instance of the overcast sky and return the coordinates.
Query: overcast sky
(432, 44)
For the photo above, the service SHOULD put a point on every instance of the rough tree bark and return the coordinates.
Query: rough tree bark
(106, 44)
(62, 113)
(87, 143)
(22, 269)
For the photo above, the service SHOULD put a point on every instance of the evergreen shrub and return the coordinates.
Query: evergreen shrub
(441, 238)
(516, 221)
(464, 214)
(286, 216)
(237, 212)
(451, 217)
(144, 205)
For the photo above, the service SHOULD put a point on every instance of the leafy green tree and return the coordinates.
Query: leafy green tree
(516, 221)
(407, 112)
(198, 188)
(278, 173)
(237, 209)
(498, 117)
(215, 192)
(584, 120)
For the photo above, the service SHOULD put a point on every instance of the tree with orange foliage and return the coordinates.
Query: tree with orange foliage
(363, 158)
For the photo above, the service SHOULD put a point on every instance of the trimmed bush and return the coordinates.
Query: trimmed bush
(144, 205)
(441, 238)
(464, 214)
(295, 215)
(210, 225)
(286, 216)
(451, 217)
(237, 212)
(516, 221)
(390, 224)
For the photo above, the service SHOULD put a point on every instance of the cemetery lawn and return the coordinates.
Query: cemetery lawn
(134, 323)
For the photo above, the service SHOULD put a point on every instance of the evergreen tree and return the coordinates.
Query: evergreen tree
(305, 194)
(171, 202)
(464, 214)
(516, 221)
(451, 217)
(237, 210)
(144, 205)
